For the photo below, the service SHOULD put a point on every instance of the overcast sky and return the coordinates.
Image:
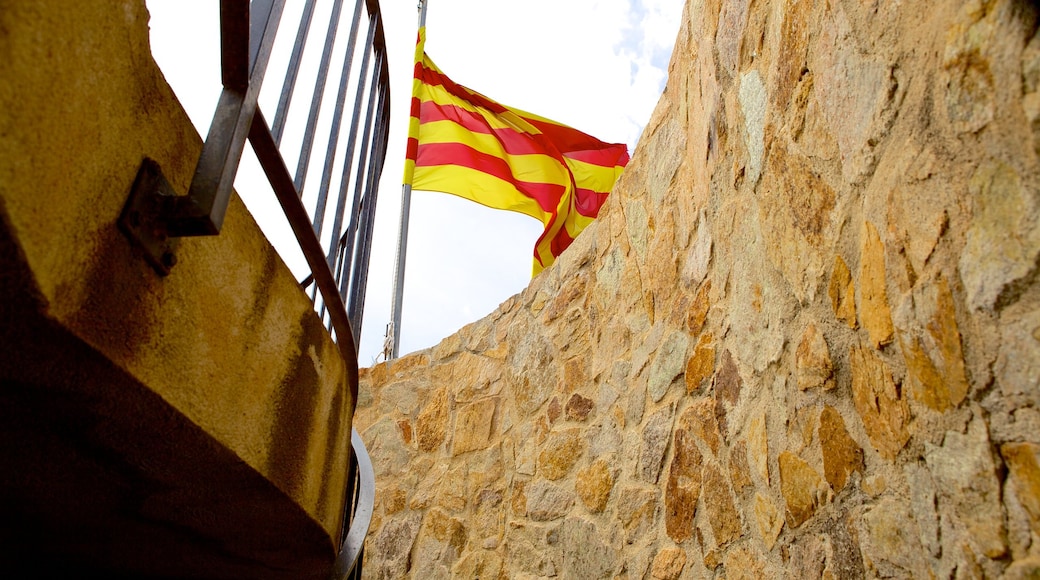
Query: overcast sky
(597, 65)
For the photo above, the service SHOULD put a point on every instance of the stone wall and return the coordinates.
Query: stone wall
(803, 338)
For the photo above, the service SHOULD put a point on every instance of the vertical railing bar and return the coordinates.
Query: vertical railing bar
(362, 158)
(359, 284)
(291, 73)
(334, 134)
(235, 58)
(202, 211)
(319, 92)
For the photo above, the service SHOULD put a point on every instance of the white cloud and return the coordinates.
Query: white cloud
(598, 65)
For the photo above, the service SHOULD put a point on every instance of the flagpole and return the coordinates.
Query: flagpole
(393, 331)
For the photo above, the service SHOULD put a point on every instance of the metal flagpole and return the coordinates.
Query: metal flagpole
(393, 330)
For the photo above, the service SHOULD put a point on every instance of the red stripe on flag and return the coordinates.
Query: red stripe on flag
(411, 149)
(434, 78)
(588, 202)
(513, 142)
(612, 156)
(547, 195)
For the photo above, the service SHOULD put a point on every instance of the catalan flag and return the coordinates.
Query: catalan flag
(462, 143)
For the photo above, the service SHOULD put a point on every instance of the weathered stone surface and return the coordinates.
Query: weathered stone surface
(473, 426)
(841, 455)
(699, 419)
(1023, 461)
(890, 543)
(739, 472)
(933, 355)
(636, 509)
(795, 208)
(668, 564)
(874, 312)
(883, 412)
(594, 484)
(668, 364)
(803, 488)
(684, 486)
(432, 423)
(1025, 569)
(718, 505)
(698, 312)
(488, 519)
(547, 501)
(560, 452)
(534, 373)
(966, 478)
(758, 447)
(387, 449)
(1004, 239)
(528, 555)
(656, 433)
(1019, 351)
(586, 554)
(579, 407)
(813, 366)
(753, 105)
(922, 501)
(480, 564)
(392, 547)
(727, 388)
(575, 374)
(768, 519)
(968, 78)
(701, 365)
(744, 562)
(440, 541)
(843, 293)
(554, 410)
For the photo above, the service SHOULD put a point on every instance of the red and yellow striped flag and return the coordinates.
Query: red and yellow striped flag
(462, 143)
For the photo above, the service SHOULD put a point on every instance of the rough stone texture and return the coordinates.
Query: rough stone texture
(842, 292)
(841, 454)
(830, 228)
(813, 366)
(874, 312)
(882, 411)
(967, 481)
(803, 488)
(668, 564)
(559, 453)
(593, 485)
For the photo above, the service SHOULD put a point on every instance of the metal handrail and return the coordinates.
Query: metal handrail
(347, 564)
(155, 216)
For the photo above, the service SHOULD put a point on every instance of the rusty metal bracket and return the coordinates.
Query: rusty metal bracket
(144, 217)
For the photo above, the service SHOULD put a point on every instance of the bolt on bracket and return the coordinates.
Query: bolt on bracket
(144, 218)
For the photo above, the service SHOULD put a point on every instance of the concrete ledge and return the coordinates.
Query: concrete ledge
(197, 423)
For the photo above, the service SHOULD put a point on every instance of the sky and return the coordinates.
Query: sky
(596, 65)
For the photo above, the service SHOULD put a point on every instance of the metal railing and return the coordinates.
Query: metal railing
(336, 245)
